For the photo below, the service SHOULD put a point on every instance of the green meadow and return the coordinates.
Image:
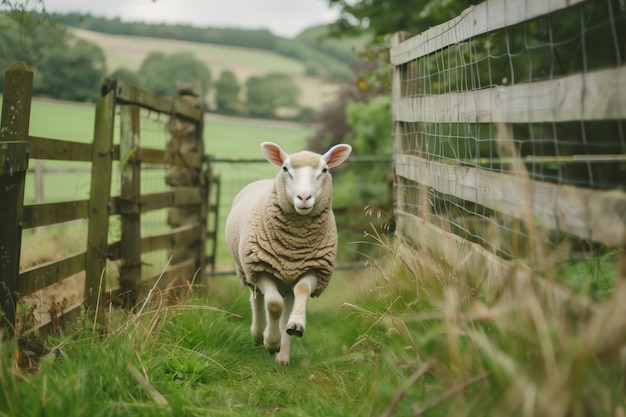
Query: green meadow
(409, 336)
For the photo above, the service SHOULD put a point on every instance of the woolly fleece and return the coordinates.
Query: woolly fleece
(265, 235)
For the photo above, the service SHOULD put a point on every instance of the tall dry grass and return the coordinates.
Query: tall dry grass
(507, 347)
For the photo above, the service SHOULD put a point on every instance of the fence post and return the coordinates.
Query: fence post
(407, 197)
(99, 202)
(14, 125)
(130, 244)
(187, 137)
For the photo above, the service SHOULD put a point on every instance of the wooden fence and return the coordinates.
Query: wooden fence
(187, 199)
(509, 133)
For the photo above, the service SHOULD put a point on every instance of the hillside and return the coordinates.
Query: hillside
(129, 51)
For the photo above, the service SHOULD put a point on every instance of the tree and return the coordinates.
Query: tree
(160, 72)
(127, 75)
(268, 93)
(384, 17)
(74, 72)
(227, 92)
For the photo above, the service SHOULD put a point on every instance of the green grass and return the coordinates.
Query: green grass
(200, 357)
(409, 337)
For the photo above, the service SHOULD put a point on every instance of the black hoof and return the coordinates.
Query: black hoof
(295, 330)
(272, 351)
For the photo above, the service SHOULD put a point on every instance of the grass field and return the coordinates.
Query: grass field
(410, 336)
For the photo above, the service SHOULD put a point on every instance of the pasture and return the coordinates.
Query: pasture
(407, 336)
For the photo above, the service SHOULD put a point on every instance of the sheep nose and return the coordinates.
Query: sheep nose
(304, 197)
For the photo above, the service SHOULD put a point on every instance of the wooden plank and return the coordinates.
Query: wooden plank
(182, 235)
(165, 157)
(597, 95)
(596, 215)
(130, 243)
(36, 215)
(187, 196)
(68, 316)
(99, 201)
(60, 150)
(130, 94)
(163, 279)
(475, 262)
(179, 196)
(155, 201)
(44, 275)
(476, 20)
(14, 125)
(166, 240)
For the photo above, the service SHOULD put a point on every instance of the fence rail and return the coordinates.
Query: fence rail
(188, 179)
(509, 125)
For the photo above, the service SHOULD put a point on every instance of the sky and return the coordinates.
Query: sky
(284, 18)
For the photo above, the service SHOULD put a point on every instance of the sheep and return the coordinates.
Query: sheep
(282, 236)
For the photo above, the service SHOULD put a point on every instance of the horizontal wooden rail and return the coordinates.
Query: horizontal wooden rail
(68, 315)
(129, 94)
(476, 20)
(597, 95)
(187, 268)
(170, 239)
(160, 156)
(180, 196)
(596, 215)
(166, 240)
(60, 150)
(36, 215)
(44, 275)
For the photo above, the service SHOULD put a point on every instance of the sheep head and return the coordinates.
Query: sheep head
(305, 173)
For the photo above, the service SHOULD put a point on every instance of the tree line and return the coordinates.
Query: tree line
(69, 68)
(329, 59)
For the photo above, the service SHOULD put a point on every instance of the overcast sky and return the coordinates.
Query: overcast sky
(283, 17)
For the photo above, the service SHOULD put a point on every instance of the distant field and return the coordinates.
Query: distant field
(129, 51)
(224, 138)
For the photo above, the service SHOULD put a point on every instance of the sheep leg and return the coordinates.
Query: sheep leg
(273, 310)
(283, 356)
(257, 301)
(301, 291)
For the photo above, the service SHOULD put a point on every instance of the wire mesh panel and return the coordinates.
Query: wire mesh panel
(509, 125)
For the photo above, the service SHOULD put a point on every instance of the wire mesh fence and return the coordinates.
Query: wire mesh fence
(510, 119)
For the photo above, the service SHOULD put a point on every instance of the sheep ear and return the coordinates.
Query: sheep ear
(273, 153)
(336, 155)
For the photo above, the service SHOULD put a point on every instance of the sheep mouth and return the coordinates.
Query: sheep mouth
(303, 210)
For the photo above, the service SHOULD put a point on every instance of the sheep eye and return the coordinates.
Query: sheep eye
(285, 169)
(325, 170)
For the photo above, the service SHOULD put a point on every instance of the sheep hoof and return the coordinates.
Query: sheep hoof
(273, 351)
(295, 330)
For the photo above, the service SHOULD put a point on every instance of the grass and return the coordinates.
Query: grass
(407, 337)
(411, 336)
(196, 359)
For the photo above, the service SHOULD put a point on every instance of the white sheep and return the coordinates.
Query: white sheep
(283, 238)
